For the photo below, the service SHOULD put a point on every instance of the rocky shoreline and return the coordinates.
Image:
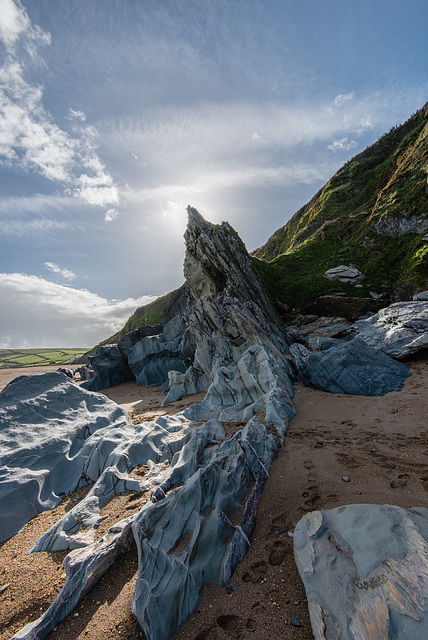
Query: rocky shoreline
(205, 466)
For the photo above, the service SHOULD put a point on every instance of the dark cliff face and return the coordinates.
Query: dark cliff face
(372, 214)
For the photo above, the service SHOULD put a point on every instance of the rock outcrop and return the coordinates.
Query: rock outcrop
(353, 367)
(365, 571)
(400, 330)
(146, 355)
(54, 438)
(223, 338)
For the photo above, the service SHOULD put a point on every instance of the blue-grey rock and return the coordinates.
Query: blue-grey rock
(111, 369)
(55, 437)
(365, 572)
(227, 341)
(400, 330)
(353, 367)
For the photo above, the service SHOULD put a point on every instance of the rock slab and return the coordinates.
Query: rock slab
(400, 330)
(353, 367)
(365, 572)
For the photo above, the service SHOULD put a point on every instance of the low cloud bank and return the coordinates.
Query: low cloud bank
(39, 313)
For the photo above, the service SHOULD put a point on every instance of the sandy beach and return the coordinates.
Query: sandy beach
(339, 449)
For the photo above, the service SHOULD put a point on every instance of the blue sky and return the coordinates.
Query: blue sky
(117, 114)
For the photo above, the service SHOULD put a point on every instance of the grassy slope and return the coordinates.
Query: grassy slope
(36, 357)
(336, 226)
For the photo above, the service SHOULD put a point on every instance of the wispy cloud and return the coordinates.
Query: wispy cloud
(29, 137)
(344, 144)
(343, 97)
(60, 315)
(64, 273)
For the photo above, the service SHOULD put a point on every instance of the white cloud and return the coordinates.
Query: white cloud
(51, 315)
(13, 21)
(342, 98)
(77, 115)
(110, 215)
(64, 273)
(344, 144)
(29, 137)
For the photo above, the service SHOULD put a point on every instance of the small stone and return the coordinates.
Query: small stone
(294, 621)
(346, 479)
(76, 615)
(290, 534)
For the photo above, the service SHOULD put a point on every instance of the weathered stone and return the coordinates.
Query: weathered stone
(55, 437)
(421, 296)
(365, 571)
(239, 341)
(313, 334)
(233, 346)
(400, 330)
(353, 367)
(111, 368)
(344, 273)
(394, 227)
(150, 352)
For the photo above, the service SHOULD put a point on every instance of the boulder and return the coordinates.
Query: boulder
(344, 273)
(400, 330)
(353, 367)
(365, 571)
(111, 368)
(318, 330)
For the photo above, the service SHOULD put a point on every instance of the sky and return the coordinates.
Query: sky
(117, 114)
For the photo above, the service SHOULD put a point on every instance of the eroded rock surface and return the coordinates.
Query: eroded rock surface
(400, 330)
(54, 438)
(222, 338)
(353, 367)
(365, 571)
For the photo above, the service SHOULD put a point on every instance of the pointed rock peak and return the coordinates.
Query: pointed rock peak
(195, 219)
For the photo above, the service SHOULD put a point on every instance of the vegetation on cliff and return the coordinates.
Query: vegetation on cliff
(373, 214)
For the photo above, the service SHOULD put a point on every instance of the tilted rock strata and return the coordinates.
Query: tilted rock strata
(232, 346)
(365, 571)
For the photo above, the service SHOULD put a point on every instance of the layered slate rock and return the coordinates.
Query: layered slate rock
(233, 347)
(400, 330)
(54, 438)
(365, 571)
(111, 368)
(353, 367)
(239, 341)
(147, 354)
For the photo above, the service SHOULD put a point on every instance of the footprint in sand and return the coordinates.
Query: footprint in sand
(400, 482)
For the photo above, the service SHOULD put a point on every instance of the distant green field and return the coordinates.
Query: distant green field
(37, 357)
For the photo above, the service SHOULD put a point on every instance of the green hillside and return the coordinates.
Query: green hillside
(372, 214)
(37, 357)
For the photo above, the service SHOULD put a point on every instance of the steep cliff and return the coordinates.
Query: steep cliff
(371, 215)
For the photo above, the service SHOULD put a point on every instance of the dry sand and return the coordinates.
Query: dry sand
(379, 443)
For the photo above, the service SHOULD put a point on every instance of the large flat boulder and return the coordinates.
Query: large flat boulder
(365, 572)
(353, 367)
